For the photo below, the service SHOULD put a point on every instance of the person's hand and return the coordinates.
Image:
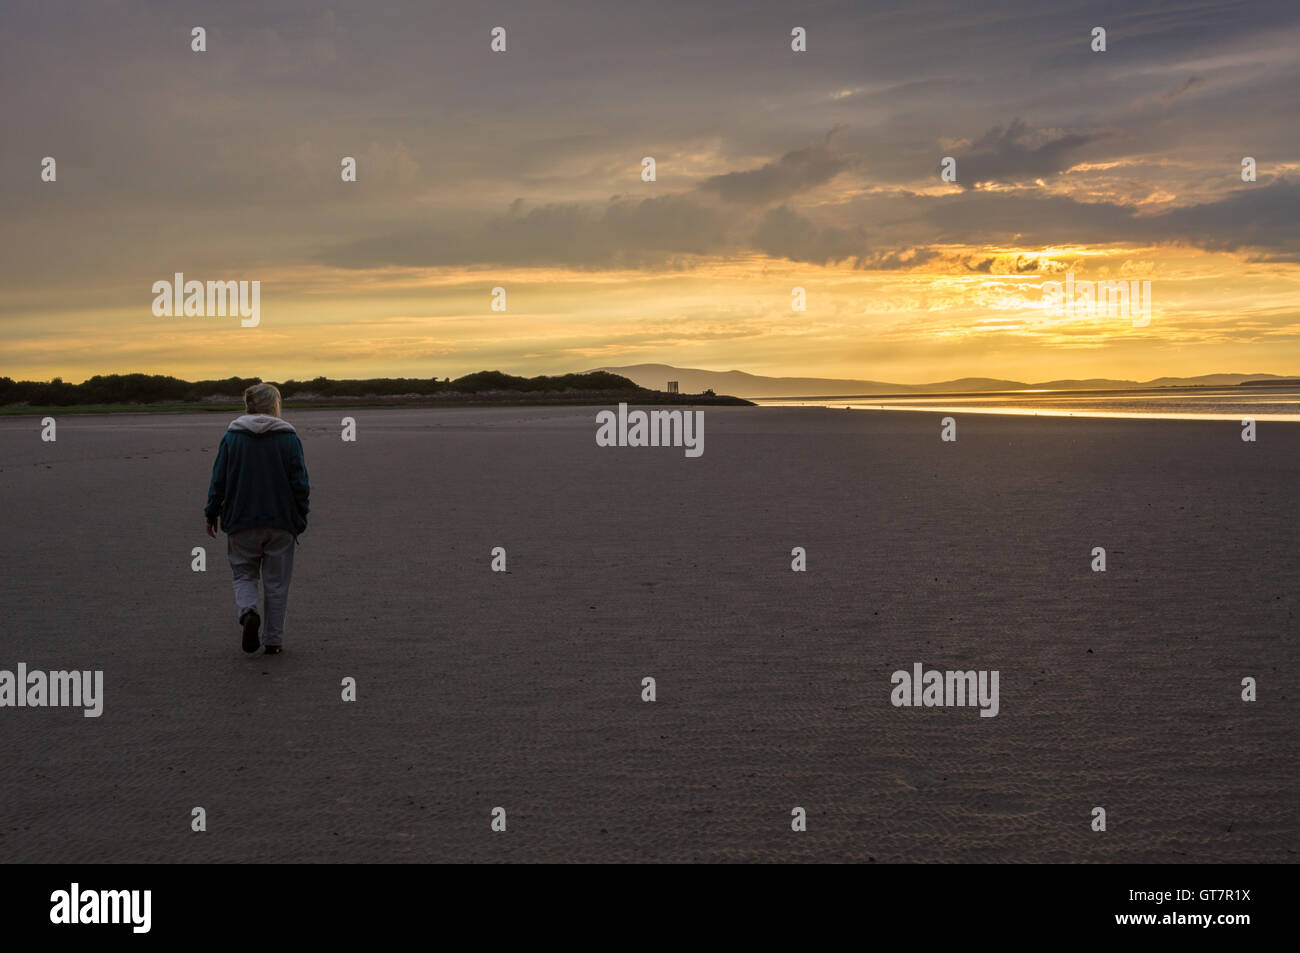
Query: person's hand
(212, 530)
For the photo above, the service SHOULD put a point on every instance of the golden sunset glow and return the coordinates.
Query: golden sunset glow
(1208, 309)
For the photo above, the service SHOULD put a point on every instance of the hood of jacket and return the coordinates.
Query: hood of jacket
(260, 423)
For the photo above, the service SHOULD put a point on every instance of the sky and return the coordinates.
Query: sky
(774, 170)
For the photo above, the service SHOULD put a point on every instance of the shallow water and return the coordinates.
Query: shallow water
(1180, 403)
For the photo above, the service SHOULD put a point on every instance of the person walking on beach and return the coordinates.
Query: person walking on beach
(259, 490)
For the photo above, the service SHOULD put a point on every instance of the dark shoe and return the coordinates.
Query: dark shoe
(252, 625)
(273, 649)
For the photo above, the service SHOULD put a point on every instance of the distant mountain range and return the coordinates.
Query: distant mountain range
(739, 384)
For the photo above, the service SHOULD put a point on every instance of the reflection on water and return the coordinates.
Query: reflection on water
(1178, 403)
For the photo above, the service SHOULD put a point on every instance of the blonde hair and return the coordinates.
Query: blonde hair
(262, 399)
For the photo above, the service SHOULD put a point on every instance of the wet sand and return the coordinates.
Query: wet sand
(523, 689)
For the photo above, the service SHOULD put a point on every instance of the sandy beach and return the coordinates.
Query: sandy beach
(478, 689)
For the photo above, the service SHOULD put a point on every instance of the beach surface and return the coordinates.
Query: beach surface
(523, 689)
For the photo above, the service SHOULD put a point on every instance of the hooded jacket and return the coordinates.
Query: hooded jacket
(259, 477)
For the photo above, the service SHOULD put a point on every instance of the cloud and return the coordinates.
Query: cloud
(661, 231)
(668, 231)
(624, 233)
(777, 181)
(1260, 216)
(1187, 84)
(784, 233)
(1253, 216)
(1005, 155)
(899, 259)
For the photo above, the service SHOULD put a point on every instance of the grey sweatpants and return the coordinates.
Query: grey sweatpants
(267, 551)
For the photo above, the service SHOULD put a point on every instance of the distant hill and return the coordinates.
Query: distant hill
(697, 380)
(109, 391)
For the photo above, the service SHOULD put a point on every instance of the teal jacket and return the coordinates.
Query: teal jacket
(259, 477)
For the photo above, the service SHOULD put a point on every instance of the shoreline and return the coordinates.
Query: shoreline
(677, 400)
(1041, 412)
(130, 410)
